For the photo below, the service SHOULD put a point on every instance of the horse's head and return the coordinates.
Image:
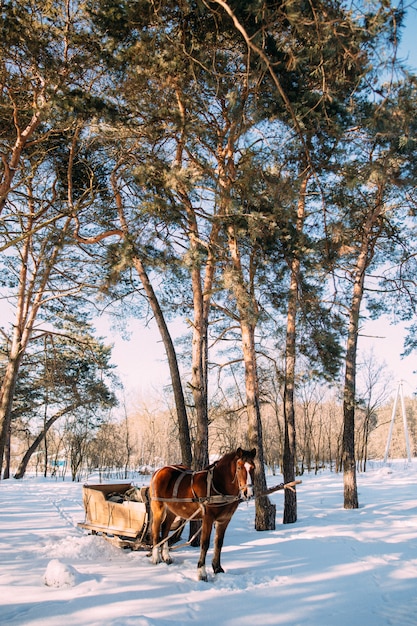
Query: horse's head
(245, 468)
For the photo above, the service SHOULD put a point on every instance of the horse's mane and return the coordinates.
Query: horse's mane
(226, 458)
(223, 459)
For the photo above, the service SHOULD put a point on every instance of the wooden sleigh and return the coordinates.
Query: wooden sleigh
(120, 513)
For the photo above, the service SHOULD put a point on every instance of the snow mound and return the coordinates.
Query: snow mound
(88, 547)
(58, 574)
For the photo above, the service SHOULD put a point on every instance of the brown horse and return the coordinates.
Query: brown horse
(212, 495)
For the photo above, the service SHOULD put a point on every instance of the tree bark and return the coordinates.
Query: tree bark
(199, 373)
(201, 300)
(365, 256)
(289, 460)
(180, 406)
(264, 510)
(30, 294)
(183, 428)
(349, 392)
(199, 347)
(199, 388)
(11, 167)
(201, 306)
(6, 402)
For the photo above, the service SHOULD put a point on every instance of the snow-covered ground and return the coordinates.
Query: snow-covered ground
(332, 568)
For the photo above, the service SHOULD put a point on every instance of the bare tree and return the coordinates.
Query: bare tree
(374, 391)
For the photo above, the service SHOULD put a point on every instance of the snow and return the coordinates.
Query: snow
(332, 567)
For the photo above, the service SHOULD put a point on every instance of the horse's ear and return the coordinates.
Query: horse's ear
(239, 453)
(253, 453)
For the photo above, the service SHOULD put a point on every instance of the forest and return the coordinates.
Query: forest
(248, 168)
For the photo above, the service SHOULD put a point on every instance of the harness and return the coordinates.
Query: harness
(217, 499)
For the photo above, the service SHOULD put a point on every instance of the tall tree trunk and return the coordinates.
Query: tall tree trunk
(7, 454)
(349, 392)
(201, 300)
(180, 406)
(6, 401)
(29, 301)
(248, 313)
(365, 256)
(201, 305)
(17, 348)
(289, 457)
(199, 369)
(199, 381)
(199, 387)
(289, 460)
(183, 428)
(264, 510)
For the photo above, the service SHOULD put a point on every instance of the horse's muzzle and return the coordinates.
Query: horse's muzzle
(247, 493)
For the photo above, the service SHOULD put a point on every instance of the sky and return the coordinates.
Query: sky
(142, 367)
(408, 45)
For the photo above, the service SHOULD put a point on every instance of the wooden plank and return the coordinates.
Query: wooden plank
(128, 518)
(109, 530)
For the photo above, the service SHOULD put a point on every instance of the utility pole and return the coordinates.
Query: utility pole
(394, 410)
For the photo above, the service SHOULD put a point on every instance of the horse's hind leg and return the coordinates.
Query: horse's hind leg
(158, 513)
(166, 527)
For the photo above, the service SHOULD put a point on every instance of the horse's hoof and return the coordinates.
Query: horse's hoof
(202, 574)
(166, 557)
(155, 558)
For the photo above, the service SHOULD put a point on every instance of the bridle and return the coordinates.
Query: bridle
(246, 485)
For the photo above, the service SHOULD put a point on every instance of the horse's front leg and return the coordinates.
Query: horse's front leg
(204, 546)
(218, 544)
